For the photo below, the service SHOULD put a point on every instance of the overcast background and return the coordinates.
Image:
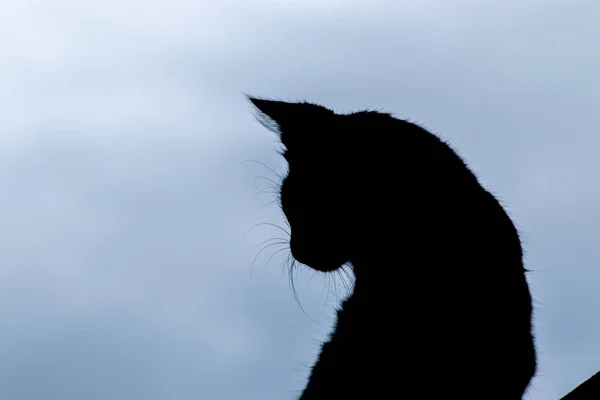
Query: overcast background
(124, 273)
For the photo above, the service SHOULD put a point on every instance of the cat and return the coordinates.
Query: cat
(441, 307)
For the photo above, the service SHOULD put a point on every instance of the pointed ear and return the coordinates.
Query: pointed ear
(278, 111)
(281, 115)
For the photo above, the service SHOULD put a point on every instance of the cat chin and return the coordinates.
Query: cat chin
(314, 255)
(324, 267)
(319, 265)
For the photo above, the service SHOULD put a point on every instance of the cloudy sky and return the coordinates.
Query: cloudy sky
(124, 198)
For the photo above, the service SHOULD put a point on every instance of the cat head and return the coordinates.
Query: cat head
(321, 194)
(348, 174)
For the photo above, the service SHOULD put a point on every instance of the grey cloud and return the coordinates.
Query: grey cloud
(123, 271)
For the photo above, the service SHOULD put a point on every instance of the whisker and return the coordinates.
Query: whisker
(261, 250)
(274, 184)
(265, 190)
(273, 255)
(294, 265)
(349, 275)
(340, 273)
(328, 288)
(335, 289)
(287, 264)
(350, 279)
(269, 203)
(265, 223)
(264, 165)
(269, 240)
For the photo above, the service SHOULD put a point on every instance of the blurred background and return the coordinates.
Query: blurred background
(124, 198)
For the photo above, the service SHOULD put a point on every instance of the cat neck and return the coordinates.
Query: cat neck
(374, 290)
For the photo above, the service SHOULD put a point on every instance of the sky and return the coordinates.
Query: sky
(125, 198)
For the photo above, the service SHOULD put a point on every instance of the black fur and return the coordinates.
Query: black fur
(441, 307)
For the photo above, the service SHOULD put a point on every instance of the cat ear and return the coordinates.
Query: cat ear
(278, 111)
(285, 114)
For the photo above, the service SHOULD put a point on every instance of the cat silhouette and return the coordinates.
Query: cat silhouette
(441, 307)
